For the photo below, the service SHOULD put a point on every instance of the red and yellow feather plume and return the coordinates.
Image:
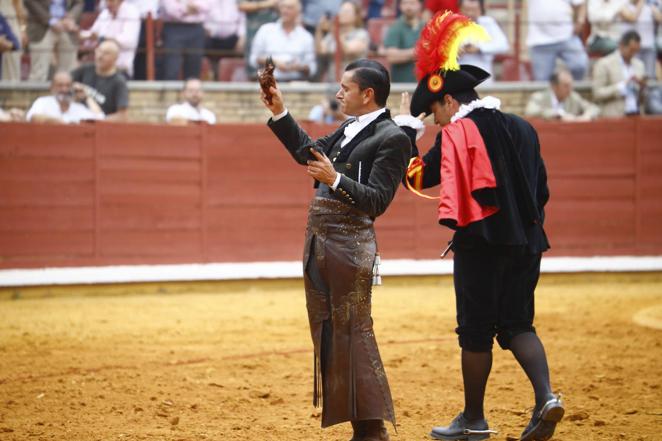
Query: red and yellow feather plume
(440, 41)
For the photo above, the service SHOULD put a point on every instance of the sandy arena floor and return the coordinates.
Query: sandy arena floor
(233, 361)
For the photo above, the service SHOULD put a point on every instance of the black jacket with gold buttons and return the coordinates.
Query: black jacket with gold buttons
(372, 164)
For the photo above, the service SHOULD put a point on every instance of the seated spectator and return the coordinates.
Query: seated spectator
(60, 107)
(184, 37)
(354, 39)
(554, 29)
(226, 31)
(103, 83)
(619, 79)
(258, 12)
(560, 101)
(13, 17)
(120, 21)
(606, 18)
(292, 47)
(327, 112)
(190, 110)
(639, 16)
(401, 39)
(315, 10)
(8, 43)
(52, 27)
(482, 53)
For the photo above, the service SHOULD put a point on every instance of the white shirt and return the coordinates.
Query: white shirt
(550, 21)
(488, 49)
(628, 89)
(49, 106)
(296, 46)
(188, 112)
(225, 20)
(605, 19)
(124, 28)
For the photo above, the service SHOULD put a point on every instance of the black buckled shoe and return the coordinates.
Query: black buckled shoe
(544, 420)
(463, 429)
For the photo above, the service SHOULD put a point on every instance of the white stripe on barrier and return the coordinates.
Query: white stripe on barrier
(280, 270)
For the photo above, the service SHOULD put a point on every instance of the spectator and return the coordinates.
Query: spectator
(120, 21)
(400, 40)
(8, 44)
(560, 101)
(482, 54)
(606, 19)
(226, 31)
(12, 11)
(52, 24)
(315, 10)
(327, 112)
(184, 37)
(258, 12)
(190, 110)
(292, 47)
(60, 107)
(638, 16)
(554, 28)
(145, 7)
(354, 39)
(619, 79)
(102, 82)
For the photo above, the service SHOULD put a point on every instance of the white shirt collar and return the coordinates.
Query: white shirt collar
(362, 121)
(489, 102)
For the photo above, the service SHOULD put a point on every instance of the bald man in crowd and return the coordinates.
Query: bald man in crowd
(103, 82)
(59, 107)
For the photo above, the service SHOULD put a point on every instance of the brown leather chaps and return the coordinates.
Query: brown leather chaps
(340, 249)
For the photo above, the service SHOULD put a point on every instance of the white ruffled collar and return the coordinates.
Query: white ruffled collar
(489, 102)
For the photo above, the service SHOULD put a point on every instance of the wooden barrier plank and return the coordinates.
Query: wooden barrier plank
(142, 217)
(149, 170)
(35, 219)
(149, 141)
(256, 232)
(150, 193)
(572, 148)
(46, 169)
(36, 245)
(45, 193)
(148, 243)
(592, 188)
(47, 140)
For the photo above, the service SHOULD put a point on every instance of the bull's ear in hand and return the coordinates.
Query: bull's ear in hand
(267, 80)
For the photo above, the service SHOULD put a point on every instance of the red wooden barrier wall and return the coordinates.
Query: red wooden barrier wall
(126, 194)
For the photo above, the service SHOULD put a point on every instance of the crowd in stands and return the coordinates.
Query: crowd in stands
(101, 44)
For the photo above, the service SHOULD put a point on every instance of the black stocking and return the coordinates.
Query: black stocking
(476, 368)
(530, 354)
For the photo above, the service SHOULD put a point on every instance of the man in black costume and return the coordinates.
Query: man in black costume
(357, 169)
(493, 193)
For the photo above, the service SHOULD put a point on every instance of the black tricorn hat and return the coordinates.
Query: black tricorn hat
(433, 87)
